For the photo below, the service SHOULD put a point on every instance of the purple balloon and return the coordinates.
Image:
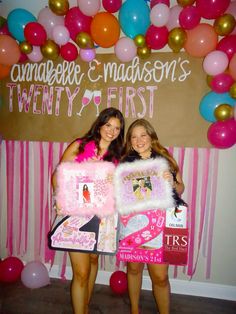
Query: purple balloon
(35, 275)
(222, 134)
(87, 55)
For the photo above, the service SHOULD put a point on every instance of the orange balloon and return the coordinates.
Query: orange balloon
(232, 67)
(9, 50)
(201, 40)
(105, 29)
(4, 71)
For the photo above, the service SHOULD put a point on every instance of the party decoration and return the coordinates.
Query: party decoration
(77, 22)
(35, 34)
(35, 275)
(228, 45)
(2, 21)
(85, 234)
(222, 134)
(118, 282)
(174, 17)
(35, 55)
(134, 17)
(224, 24)
(232, 90)
(4, 70)
(209, 79)
(221, 83)
(60, 35)
(185, 3)
(125, 49)
(142, 190)
(156, 37)
(154, 2)
(84, 40)
(9, 50)
(176, 39)
(112, 6)
(50, 50)
(223, 112)
(201, 40)
(143, 52)
(59, 7)
(87, 55)
(189, 17)
(49, 20)
(10, 269)
(89, 7)
(69, 52)
(232, 67)
(105, 29)
(215, 62)
(25, 47)
(139, 40)
(23, 58)
(90, 188)
(159, 14)
(17, 20)
(211, 9)
(4, 30)
(212, 100)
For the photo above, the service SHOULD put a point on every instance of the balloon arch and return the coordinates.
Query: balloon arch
(135, 28)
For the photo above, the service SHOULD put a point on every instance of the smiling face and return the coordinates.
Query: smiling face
(141, 141)
(110, 131)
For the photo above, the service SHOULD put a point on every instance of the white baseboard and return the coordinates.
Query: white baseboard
(186, 287)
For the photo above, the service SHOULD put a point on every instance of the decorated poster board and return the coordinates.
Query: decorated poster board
(89, 234)
(46, 101)
(154, 236)
(86, 188)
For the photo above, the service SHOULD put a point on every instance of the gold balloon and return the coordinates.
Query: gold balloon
(209, 80)
(140, 40)
(185, 3)
(84, 40)
(223, 112)
(232, 90)
(176, 39)
(143, 52)
(50, 50)
(25, 47)
(59, 7)
(224, 24)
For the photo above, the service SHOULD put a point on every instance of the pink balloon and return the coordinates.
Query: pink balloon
(211, 9)
(235, 112)
(118, 282)
(159, 14)
(154, 2)
(49, 20)
(69, 52)
(87, 55)
(4, 30)
(174, 17)
(232, 67)
(125, 49)
(23, 58)
(157, 37)
(221, 83)
(215, 62)
(35, 33)
(60, 35)
(35, 275)
(10, 269)
(222, 134)
(228, 45)
(35, 55)
(189, 17)
(89, 7)
(77, 22)
(231, 9)
(112, 6)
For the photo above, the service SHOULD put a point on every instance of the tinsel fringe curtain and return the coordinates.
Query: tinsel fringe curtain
(26, 201)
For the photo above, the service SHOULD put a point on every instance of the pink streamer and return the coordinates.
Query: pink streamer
(26, 208)
(21, 187)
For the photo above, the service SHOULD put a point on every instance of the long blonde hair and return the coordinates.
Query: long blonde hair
(156, 146)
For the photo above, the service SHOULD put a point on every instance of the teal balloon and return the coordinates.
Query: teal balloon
(17, 20)
(134, 17)
(211, 101)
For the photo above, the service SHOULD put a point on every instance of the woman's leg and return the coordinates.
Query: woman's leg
(84, 276)
(93, 274)
(160, 286)
(134, 274)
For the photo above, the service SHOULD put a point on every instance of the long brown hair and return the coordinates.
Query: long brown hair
(156, 146)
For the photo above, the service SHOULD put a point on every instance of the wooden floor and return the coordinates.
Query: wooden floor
(55, 299)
